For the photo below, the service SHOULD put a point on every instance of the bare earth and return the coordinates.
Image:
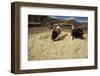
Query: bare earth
(41, 47)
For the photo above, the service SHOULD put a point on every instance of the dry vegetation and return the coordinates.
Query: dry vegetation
(41, 47)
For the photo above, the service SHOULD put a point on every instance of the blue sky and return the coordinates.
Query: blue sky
(78, 19)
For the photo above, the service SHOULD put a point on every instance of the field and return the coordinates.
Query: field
(41, 47)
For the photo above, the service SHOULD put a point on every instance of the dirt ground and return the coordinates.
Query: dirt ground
(41, 47)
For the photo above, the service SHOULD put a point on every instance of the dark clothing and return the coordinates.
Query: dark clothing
(54, 34)
(77, 33)
(81, 33)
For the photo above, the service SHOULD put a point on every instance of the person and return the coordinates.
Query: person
(74, 33)
(54, 33)
(77, 32)
(80, 30)
(58, 30)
